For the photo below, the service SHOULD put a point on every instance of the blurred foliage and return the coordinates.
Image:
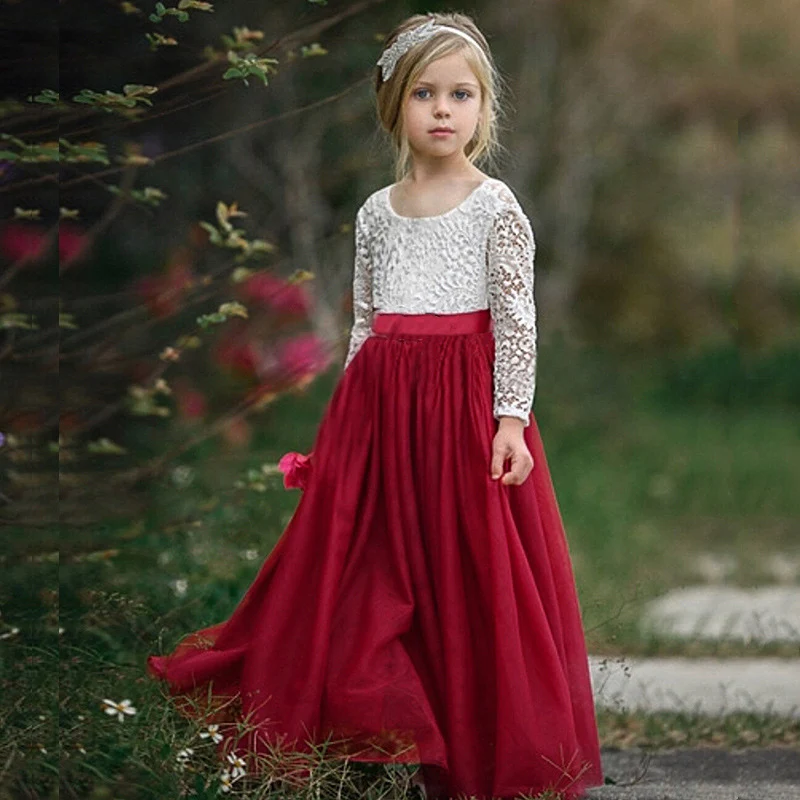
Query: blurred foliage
(728, 377)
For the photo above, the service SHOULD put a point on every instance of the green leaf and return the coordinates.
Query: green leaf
(18, 320)
(47, 96)
(241, 274)
(105, 446)
(139, 88)
(314, 49)
(232, 72)
(233, 309)
(212, 232)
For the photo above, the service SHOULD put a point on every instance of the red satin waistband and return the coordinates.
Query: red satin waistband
(468, 322)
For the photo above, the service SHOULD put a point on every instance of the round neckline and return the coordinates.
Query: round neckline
(388, 203)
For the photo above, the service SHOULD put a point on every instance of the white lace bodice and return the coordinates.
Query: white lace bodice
(478, 255)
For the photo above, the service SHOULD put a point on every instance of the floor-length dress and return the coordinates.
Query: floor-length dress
(414, 609)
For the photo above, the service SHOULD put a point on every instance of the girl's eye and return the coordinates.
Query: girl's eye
(463, 92)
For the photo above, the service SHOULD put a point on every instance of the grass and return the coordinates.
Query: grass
(689, 729)
(651, 491)
(703, 486)
(646, 490)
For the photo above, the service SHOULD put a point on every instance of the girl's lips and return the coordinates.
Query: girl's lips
(441, 133)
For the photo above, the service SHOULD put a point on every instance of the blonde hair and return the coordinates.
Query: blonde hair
(392, 94)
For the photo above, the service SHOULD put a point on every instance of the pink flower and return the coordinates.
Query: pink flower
(296, 469)
(163, 294)
(72, 244)
(236, 354)
(276, 294)
(303, 356)
(19, 241)
(239, 351)
(191, 403)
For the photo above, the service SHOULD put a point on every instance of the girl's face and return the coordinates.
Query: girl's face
(445, 96)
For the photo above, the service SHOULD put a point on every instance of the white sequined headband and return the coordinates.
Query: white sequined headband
(407, 39)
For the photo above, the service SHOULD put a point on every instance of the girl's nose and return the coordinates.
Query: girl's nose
(442, 106)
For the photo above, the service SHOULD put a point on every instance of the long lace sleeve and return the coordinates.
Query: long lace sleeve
(362, 290)
(510, 252)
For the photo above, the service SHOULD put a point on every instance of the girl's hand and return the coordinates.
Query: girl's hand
(509, 443)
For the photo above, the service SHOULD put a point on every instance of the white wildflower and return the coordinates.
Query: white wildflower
(238, 763)
(212, 732)
(120, 709)
(227, 779)
(182, 476)
(184, 756)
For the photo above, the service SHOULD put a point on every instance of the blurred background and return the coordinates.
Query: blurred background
(178, 186)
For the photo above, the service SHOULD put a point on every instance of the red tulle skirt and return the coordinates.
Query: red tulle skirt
(414, 610)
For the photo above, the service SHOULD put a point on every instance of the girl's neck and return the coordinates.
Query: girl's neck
(441, 170)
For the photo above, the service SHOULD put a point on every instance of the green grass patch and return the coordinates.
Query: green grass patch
(687, 729)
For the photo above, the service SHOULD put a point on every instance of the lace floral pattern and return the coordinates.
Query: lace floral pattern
(362, 288)
(510, 253)
(478, 255)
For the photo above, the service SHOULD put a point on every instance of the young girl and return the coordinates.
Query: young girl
(420, 606)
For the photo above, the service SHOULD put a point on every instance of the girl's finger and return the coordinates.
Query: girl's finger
(497, 463)
(519, 469)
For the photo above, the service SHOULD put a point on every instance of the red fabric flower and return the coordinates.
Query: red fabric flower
(296, 469)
